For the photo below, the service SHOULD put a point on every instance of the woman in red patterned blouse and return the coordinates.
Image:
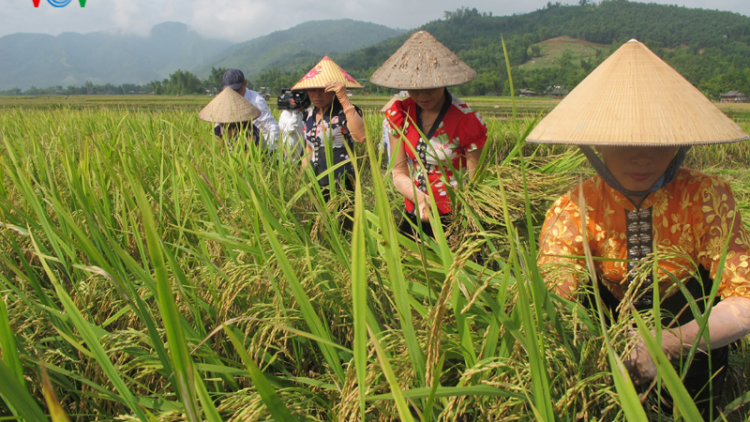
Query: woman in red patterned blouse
(439, 133)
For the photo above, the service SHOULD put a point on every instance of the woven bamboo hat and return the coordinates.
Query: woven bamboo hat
(229, 107)
(422, 63)
(635, 98)
(325, 72)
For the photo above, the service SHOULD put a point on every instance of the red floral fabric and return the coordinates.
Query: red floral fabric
(462, 130)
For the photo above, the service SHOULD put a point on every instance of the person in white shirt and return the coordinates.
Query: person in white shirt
(385, 141)
(235, 79)
(385, 147)
(291, 123)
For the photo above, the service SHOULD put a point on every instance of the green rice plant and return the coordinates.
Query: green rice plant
(359, 294)
(14, 393)
(57, 414)
(129, 238)
(89, 336)
(274, 404)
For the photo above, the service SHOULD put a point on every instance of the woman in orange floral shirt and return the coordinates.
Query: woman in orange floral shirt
(642, 117)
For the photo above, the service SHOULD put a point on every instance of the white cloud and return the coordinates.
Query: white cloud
(128, 17)
(237, 20)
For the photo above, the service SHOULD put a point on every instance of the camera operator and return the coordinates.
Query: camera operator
(291, 122)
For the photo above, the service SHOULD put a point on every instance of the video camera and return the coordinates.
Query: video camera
(301, 100)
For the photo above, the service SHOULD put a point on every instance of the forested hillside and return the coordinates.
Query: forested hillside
(309, 41)
(710, 48)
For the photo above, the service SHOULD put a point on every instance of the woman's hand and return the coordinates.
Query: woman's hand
(729, 321)
(307, 157)
(472, 160)
(423, 202)
(354, 121)
(339, 89)
(639, 363)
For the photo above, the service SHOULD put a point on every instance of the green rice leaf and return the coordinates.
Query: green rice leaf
(8, 345)
(91, 339)
(265, 389)
(396, 392)
(627, 395)
(313, 320)
(179, 353)
(18, 397)
(359, 293)
(392, 255)
(444, 391)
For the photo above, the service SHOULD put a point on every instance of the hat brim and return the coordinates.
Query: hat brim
(634, 143)
(634, 98)
(305, 88)
(229, 107)
(324, 73)
(422, 62)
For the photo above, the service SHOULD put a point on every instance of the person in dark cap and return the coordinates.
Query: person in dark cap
(269, 128)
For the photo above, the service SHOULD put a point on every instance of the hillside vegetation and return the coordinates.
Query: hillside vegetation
(309, 41)
(551, 52)
(710, 48)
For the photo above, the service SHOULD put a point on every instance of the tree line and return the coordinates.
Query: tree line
(180, 82)
(710, 48)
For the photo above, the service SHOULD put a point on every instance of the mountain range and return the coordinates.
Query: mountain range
(557, 45)
(101, 57)
(299, 45)
(105, 57)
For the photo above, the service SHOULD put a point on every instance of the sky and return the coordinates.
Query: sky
(242, 20)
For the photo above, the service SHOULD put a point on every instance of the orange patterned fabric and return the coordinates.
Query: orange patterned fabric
(692, 217)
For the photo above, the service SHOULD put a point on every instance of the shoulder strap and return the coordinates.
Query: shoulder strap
(605, 174)
(421, 146)
(440, 117)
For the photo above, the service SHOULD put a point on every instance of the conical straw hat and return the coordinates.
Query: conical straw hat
(325, 72)
(635, 98)
(422, 63)
(229, 107)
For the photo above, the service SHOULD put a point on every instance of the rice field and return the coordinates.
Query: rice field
(147, 274)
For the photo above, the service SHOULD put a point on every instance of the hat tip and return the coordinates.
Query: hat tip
(633, 40)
